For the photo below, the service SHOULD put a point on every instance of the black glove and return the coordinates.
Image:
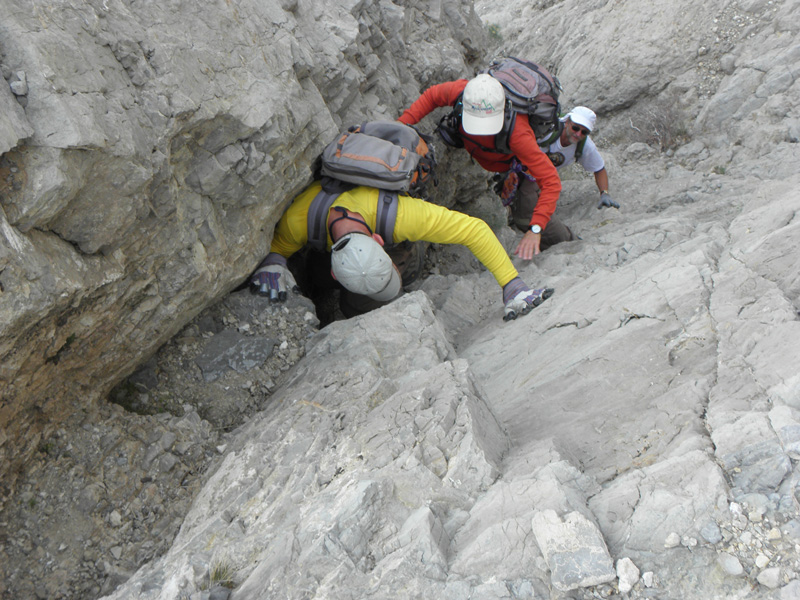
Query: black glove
(497, 182)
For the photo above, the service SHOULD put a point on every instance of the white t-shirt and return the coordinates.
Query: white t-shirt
(590, 158)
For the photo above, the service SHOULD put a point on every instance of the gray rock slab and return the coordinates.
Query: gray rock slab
(579, 378)
(499, 523)
(232, 350)
(354, 474)
(14, 126)
(640, 510)
(751, 451)
(574, 550)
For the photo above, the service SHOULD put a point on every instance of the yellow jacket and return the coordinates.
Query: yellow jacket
(417, 220)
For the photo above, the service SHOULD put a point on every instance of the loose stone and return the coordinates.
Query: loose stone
(730, 564)
(648, 578)
(770, 577)
(628, 574)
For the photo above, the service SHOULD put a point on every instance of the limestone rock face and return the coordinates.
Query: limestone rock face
(148, 149)
(724, 75)
(643, 420)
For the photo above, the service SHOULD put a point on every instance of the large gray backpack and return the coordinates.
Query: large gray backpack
(388, 155)
(383, 154)
(529, 89)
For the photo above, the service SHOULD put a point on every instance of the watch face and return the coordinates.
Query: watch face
(536, 229)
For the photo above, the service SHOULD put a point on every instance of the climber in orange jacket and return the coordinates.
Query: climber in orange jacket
(483, 101)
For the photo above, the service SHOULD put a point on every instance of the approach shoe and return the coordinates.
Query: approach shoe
(525, 302)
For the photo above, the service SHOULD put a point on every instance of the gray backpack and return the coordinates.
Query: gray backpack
(388, 155)
(529, 89)
(383, 154)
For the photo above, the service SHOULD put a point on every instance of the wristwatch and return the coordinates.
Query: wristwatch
(536, 229)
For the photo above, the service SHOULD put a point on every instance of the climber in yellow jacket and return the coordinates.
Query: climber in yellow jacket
(359, 261)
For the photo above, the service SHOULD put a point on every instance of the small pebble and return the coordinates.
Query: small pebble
(730, 564)
(628, 574)
(770, 578)
(648, 578)
(688, 542)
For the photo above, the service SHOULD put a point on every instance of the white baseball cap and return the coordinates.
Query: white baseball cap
(484, 102)
(361, 265)
(580, 115)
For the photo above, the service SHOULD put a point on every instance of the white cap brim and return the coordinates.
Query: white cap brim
(391, 290)
(475, 125)
(580, 120)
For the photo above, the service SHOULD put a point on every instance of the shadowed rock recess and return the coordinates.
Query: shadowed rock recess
(168, 436)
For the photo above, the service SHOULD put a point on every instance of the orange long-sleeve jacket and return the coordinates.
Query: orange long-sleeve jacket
(522, 143)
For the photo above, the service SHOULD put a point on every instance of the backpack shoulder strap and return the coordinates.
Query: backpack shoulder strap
(553, 136)
(449, 126)
(318, 217)
(386, 216)
(502, 141)
(579, 149)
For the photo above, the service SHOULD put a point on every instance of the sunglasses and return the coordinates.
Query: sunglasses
(578, 128)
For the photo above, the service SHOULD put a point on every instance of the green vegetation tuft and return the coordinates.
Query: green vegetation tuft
(222, 574)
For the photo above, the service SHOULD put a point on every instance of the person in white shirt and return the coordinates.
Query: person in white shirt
(568, 144)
